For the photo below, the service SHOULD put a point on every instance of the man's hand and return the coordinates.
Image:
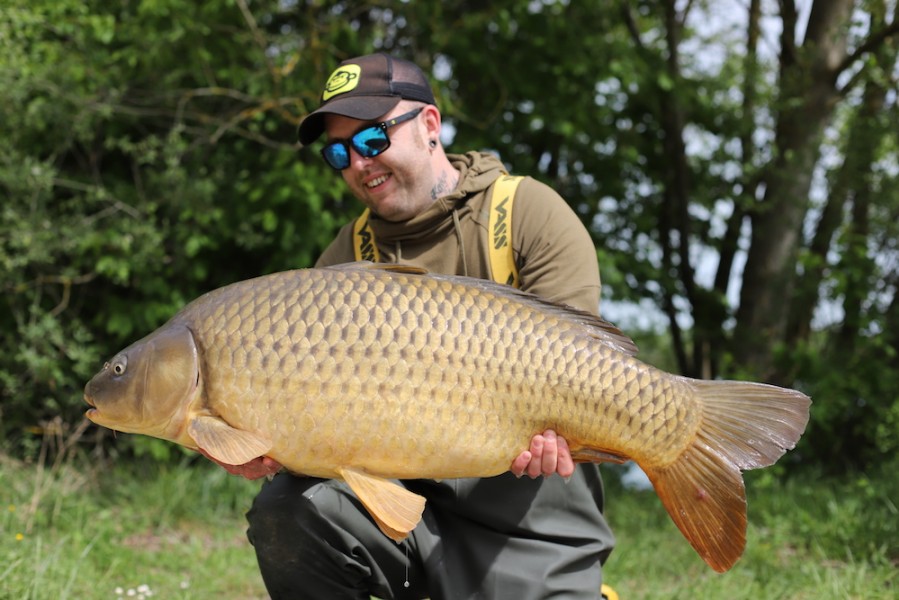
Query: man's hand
(548, 454)
(262, 466)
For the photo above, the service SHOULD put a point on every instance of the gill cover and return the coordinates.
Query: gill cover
(173, 375)
(148, 387)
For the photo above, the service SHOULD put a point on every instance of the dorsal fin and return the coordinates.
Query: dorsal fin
(366, 265)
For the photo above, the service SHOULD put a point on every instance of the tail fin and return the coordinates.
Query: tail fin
(745, 426)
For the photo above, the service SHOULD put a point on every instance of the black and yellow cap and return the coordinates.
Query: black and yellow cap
(365, 88)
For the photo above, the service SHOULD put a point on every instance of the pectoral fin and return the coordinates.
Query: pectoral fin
(225, 443)
(395, 509)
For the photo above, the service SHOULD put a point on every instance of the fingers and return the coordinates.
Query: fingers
(257, 468)
(550, 460)
(271, 466)
(547, 454)
(521, 463)
(544, 449)
(536, 463)
(565, 466)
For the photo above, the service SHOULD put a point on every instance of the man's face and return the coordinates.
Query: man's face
(395, 184)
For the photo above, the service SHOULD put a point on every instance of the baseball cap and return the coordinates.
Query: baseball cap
(365, 88)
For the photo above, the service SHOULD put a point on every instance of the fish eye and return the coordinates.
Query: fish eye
(119, 366)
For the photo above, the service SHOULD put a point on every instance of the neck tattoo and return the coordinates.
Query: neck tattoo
(446, 183)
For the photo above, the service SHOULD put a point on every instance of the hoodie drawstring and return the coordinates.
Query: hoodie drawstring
(458, 227)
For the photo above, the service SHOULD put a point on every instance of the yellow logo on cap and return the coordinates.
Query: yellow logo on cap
(342, 80)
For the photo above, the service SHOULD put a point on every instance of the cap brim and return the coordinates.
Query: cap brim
(364, 108)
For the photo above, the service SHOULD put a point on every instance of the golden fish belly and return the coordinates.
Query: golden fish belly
(408, 376)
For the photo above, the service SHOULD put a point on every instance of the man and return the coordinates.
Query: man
(501, 537)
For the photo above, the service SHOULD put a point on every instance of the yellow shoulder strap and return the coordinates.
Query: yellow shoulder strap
(364, 246)
(499, 224)
(499, 228)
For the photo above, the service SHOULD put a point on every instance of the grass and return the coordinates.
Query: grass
(124, 531)
(809, 537)
(74, 530)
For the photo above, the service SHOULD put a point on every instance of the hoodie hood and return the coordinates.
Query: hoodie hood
(477, 170)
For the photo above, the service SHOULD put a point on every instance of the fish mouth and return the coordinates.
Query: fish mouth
(92, 411)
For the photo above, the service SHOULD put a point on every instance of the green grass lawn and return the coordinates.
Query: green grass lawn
(808, 538)
(90, 532)
(177, 531)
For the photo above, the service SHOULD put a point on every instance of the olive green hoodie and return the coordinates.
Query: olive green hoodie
(556, 259)
(554, 254)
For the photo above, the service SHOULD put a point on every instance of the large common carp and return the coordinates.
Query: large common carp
(369, 372)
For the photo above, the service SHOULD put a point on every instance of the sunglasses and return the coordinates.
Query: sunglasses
(369, 142)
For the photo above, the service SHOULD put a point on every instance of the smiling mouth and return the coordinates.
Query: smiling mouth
(377, 181)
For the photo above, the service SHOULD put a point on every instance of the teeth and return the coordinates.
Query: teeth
(376, 182)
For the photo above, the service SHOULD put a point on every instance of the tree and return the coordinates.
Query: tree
(764, 163)
(146, 155)
(738, 175)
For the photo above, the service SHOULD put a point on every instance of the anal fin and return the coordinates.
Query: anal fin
(395, 509)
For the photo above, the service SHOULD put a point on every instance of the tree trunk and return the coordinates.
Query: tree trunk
(673, 217)
(808, 95)
(850, 186)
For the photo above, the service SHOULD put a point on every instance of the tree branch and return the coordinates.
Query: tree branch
(631, 25)
(871, 44)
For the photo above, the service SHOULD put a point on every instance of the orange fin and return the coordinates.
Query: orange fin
(745, 426)
(225, 443)
(705, 497)
(395, 509)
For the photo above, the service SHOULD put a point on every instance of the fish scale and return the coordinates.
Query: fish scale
(370, 372)
(396, 335)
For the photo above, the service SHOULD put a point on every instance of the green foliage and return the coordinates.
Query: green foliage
(142, 162)
(147, 155)
(854, 411)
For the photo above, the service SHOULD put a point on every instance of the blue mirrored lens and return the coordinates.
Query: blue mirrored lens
(337, 155)
(371, 142)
